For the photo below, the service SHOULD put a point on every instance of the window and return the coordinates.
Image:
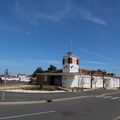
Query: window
(63, 61)
(70, 60)
(77, 61)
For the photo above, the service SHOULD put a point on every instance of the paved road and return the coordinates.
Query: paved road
(99, 107)
(17, 97)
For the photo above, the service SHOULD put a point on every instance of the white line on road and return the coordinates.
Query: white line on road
(114, 98)
(107, 97)
(99, 96)
(27, 115)
(118, 118)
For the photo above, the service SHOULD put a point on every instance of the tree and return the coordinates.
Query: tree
(52, 68)
(38, 70)
(39, 79)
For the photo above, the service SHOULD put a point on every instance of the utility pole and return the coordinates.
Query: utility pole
(6, 76)
(114, 70)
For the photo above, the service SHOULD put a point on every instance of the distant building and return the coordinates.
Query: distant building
(23, 78)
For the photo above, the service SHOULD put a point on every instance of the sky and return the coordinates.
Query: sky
(37, 33)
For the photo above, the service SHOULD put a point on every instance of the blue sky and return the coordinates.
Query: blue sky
(37, 33)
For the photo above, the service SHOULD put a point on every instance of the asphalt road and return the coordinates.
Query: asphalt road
(99, 107)
(18, 97)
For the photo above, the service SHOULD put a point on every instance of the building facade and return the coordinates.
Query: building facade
(74, 77)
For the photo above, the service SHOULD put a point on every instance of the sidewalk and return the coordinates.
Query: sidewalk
(33, 91)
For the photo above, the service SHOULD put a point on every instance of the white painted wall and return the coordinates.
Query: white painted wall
(85, 82)
(97, 82)
(117, 82)
(70, 81)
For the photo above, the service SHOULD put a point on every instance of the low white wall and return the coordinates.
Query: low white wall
(97, 82)
(85, 82)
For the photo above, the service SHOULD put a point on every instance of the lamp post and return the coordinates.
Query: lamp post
(114, 70)
(6, 76)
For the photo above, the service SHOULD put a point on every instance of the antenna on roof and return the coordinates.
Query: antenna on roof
(71, 44)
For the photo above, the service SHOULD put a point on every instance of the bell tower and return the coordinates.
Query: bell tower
(70, 63)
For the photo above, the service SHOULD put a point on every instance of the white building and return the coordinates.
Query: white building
(73, 77)
(71, 70)
(23, 78)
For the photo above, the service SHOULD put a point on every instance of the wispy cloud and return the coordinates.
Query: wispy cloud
(34, 12)
(87, 15)
(100, 56)
(27, 61)
(10, 29)
(93, 62)
(41, 61)
(10, 63)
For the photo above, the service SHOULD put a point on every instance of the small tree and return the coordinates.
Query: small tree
(38, 70)
(52, 68)
(69, 53)
(39, 79)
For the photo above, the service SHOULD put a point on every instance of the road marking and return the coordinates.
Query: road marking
(27, 115)
(118, 118)
(70, 98)
(107, 97)
(99, 96)
(114, 98)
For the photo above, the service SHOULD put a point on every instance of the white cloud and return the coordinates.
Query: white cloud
(10, 63)
(10, 29)
(34, 13)
(93, 62)
(87, 15)
(26, 61)
(100, 56)
(42, 61)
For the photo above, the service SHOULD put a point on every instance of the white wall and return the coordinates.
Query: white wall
(85, 82)
(70, 81)
(117, 82)
(70, 68)
(24, 78)
(97, 82)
